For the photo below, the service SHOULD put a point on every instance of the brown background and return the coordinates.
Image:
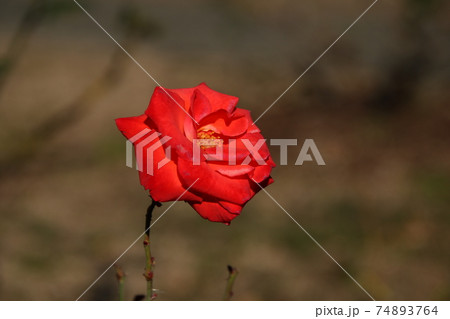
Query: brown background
(377, 106)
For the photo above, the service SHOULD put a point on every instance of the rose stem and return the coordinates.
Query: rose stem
(120, 275)
(149, 260)
(233, 272)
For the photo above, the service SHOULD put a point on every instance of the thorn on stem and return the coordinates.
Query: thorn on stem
(231, 270)
(120, 274)
(148, 275)
(232, 273)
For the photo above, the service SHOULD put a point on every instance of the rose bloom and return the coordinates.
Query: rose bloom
(217, 186)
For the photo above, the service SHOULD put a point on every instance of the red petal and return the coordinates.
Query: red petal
(241, 150)
(220, 122)
(252, 128)
(213, 212)
(200, 106)
(185, 95)
(218, 100)
(232, 208)
(131, 126)
(257, 186)
(213, 184)
(189, 129)
(261, 173)
(169, 119)
(232, 170)
(164, 185)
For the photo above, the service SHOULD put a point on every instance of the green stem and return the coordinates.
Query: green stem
(233, 272)
(148, 274)
(120, 275)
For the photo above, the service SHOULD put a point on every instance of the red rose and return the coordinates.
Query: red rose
(224, 183)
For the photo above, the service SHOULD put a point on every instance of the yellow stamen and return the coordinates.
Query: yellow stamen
(207, 139)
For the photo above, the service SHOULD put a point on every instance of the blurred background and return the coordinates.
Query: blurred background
(376, 105)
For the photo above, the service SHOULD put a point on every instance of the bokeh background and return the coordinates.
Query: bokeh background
(377, 106)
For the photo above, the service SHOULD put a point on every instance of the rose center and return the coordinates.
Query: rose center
(208, 138)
